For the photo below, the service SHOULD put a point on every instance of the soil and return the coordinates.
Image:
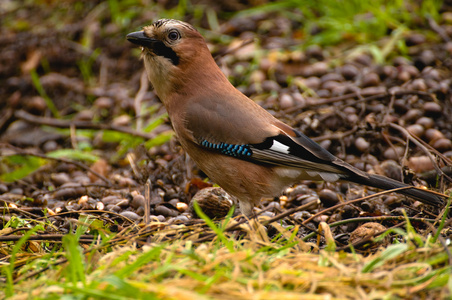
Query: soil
(390, 118)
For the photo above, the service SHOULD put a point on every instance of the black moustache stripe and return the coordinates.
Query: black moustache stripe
(160, 49)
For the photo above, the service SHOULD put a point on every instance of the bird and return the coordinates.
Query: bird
(237, 143)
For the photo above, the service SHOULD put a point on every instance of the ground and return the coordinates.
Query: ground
(83, 133)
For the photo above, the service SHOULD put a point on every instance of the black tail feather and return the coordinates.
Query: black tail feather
(385, 183)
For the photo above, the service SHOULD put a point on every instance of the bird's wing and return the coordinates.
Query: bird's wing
(293, 149)
(262, 138)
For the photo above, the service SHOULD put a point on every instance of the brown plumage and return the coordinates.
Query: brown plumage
(237, 143)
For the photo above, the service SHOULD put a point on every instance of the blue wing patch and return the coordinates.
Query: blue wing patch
(238, 151)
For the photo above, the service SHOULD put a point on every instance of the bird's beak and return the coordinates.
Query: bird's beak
(139, 38)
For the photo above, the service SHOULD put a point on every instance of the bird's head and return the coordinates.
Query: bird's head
(173, 51)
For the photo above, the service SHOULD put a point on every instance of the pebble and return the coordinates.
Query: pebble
(257, 76)
(273, 205)
(113, 208)
(180, 219)
(430, 73)
(81, 178)
(312, 82)
(3, 188)
(387, 72)
(444, 86)
(173, 202)
(328, 198)
(72, 206)
(270, 86)
(370, 79)
(125, 181)
(165, 211)
(442, 145)
(108, 200)
(394, 153)
(299, 99)
(420, 164)
(352, 119)
(323, 93)
(302, 215)
(297, 190)
(181, 206)
(322, 218)
(412, 70)
(122, 120)
(374, 90)
(393, 201)
(100, 205)
(69, 190)
(317, 69)
(314, 51)
(160, 218)
(60, 178)
(103, 103)
(286, 101)
(137, 201)
(312, 201)
(433, 134)
(130, 215)
(332, 77)
(367, 206)
(50, 146)
(400, 61)
(419, 85)
(349, 110)
(331, 85)
(349, 71)
(364, 59)
(349, 212)
(361, 144)
(17, 191)
(36, 104)
(427, 58)
(416, 129)
(415, 39)
(326, 144)
(433, 108)
(403, 76)
(84, 115)
(124, 203)
(412, 115)
(425, 122)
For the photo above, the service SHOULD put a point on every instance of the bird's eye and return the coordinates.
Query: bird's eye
(174, 35)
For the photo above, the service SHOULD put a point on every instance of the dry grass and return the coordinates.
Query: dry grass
(172, 264)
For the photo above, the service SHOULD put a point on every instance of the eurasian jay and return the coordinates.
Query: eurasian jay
(236, 142)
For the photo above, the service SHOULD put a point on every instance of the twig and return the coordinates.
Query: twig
(18, 151)
(20, 114)
(370, 96)
(430, 176)
(420, 145)
(147, 201)
(357, 200)
(232, 50)
(144, 85)
(438, 29)
(43, 237)
(336, 135)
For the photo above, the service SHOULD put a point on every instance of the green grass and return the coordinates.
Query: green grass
(175, 265)
(329, 22)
